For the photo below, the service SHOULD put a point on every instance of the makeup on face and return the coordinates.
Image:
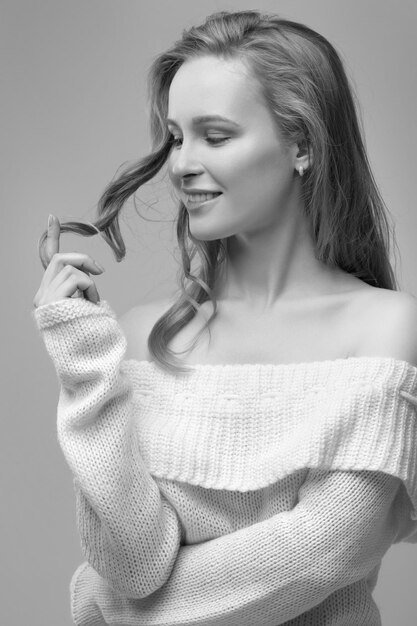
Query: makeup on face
(225, 140)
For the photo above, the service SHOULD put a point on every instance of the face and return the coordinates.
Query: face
(244, 158)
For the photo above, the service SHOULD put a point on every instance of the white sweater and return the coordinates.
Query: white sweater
(239, 495)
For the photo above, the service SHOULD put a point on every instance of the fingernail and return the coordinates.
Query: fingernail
(99, 266)
(50, 220)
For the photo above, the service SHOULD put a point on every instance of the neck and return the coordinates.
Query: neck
(274, 265)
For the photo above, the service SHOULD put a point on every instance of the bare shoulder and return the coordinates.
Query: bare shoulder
(137, 323)
(389, 324)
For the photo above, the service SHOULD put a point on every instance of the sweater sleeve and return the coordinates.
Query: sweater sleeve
(129, 532)
(267, 573)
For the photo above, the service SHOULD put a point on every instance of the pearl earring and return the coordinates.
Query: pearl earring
(301, 170)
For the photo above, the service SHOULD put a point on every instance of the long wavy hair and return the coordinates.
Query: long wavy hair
(306, 88)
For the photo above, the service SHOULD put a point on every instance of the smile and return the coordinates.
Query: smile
(197, 199)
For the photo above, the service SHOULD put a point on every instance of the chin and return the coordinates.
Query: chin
(209, 234)
(206, 236)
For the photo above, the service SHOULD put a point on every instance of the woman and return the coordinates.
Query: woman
(266, 484)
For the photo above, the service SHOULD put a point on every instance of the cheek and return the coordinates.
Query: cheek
(254, 174)
(169, 164)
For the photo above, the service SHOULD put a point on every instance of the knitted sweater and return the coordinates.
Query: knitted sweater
(247, 494)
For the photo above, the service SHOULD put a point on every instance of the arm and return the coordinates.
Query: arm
(129, 532)
(267, 573)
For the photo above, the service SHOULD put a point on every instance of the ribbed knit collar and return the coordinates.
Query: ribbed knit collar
(245, 426)
(343, 372)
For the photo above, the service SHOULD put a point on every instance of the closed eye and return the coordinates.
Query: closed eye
(210, 140)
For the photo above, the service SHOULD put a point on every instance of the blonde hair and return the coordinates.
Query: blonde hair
(305, 86)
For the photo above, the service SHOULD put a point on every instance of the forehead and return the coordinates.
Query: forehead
(211, 85)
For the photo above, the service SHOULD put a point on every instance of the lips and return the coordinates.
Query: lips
(191, 190)
(202, 197)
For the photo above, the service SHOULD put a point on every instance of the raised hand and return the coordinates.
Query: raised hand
(66, 273)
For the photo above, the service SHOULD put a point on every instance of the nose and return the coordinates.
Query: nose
(184, 161)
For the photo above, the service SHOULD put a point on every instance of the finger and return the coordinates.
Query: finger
(78, 282)
(67, 285)
(70, 271)
(78, 260)
(52, 238)
(84, 284)
(91, 293)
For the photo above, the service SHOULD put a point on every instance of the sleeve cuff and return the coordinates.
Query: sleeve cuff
(54, 313)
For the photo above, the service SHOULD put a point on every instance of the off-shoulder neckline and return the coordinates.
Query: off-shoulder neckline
(325, 363)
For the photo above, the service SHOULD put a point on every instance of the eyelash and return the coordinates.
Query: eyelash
(211, 140)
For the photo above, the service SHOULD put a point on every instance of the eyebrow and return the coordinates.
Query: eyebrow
(206, 118)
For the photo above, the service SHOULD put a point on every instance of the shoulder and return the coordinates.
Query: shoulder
(389, 326)
(136, 324)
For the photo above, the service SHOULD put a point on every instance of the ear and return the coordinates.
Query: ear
(303, 155)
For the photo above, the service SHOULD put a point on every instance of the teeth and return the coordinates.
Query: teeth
(201, 197)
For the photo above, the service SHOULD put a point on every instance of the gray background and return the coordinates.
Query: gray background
(72, 111)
